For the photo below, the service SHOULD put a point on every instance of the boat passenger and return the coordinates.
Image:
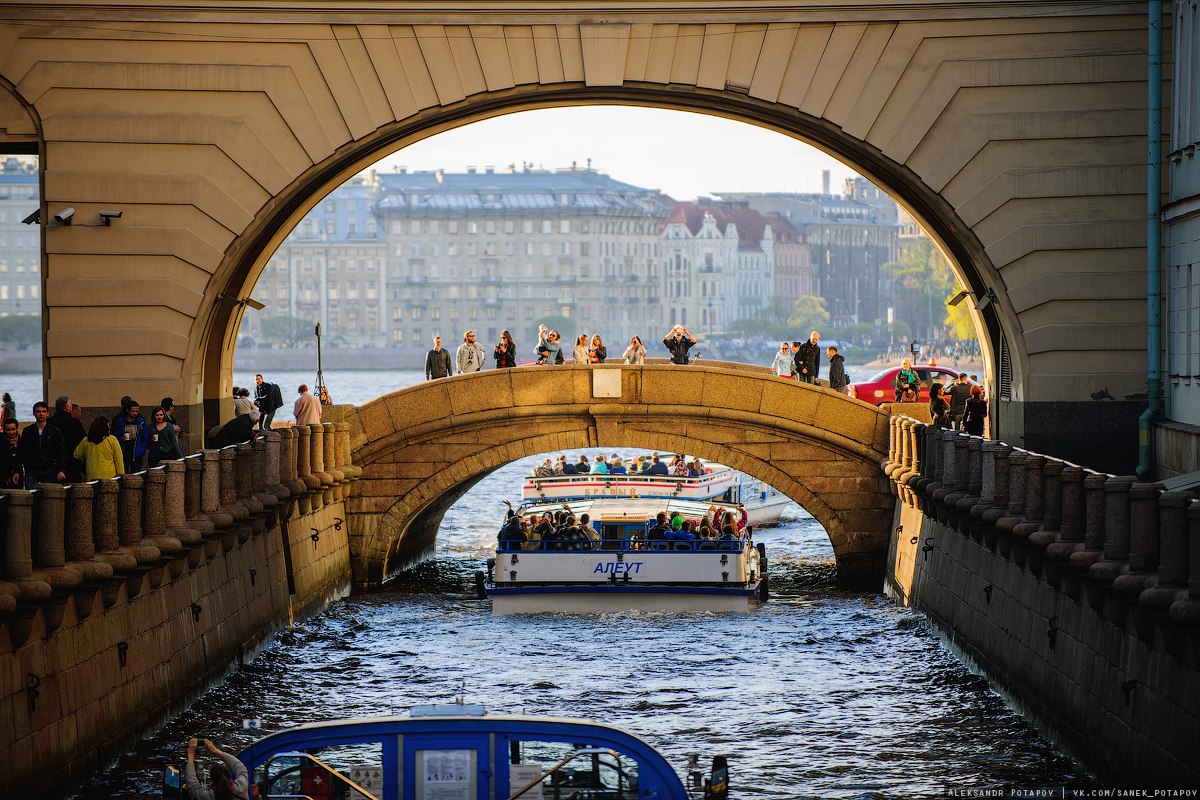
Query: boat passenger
(657, 532)
(585, 524)
(676, 521)
(656, 467)
(729, 538)
(513, 533)
(679, 467)
(699, 465)
(582, 466)
(616, 466)
(558, 466)
(743, 517)
(568, 468)
(543, 470)
(227, 780)
(683, 537)
(599, 468)
(693, 469)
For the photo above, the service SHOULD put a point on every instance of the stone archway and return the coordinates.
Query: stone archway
(1016, 132)
(423, 447)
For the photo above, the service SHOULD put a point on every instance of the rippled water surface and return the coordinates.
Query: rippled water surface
(818, 694)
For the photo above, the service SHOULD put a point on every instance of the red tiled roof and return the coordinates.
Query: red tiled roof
(750, 223)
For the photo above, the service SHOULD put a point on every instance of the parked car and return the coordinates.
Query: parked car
(882, 388)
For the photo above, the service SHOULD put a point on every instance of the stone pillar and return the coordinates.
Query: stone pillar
(317, 454)
(950, 471)
(81, 550)
(154, 521)
(18, 550)
(210, 490)
(1170, 584)
(890, 464)
(304, 468)
(275, 440)
(909, 433)
(1116, 532)
(244, 478)
(129, 520)
(290, 461)
(258, 477)
(991, 513)
(1017, 487)
(175, 509)
(1186, 609)
(1072, 513)
(1143, 541)
(49, 549)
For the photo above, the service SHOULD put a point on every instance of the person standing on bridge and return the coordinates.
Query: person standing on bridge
(808, 358)
(307, 409)
(268, 398)
(505, 351)
(838, 379)
(132, 432)
(469, 355)
(41, 450)
(783, 365)
(679, 341)
(437, 361)
(635, 353)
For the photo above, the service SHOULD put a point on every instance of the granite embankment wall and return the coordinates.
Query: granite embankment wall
(1078, 593)
(122, 600)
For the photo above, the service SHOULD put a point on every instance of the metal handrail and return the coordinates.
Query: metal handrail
(583, 751)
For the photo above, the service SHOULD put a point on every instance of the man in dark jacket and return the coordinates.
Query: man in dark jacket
(10, 456)
(437, 361)
(269, 399)
(679, 341)
(656, 467)
(132, 432)
(237, 430)
(72, 432)
(838, 381)
(808, 359)
(960, 393)
(41, 450)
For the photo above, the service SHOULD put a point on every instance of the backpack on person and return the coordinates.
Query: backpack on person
(276, 397)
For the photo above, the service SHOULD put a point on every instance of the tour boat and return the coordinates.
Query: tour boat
(621, 569)
(763, 503)
(459, 751)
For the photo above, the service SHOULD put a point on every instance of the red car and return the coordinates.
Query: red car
(882, 388)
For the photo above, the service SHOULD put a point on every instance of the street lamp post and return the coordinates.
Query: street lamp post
(320, 377)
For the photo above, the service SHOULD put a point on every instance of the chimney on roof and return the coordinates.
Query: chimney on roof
(490, 170)
(825, 181)
(470, 170)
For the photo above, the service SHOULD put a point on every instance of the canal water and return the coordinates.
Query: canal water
(818, 694)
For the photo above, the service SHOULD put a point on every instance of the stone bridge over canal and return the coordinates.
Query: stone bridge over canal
(423, 447)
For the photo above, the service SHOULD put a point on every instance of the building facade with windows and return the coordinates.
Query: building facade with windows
(491, 251)
(20, 248)
(850, 236)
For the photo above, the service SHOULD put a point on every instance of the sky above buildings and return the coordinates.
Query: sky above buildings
(683, 154)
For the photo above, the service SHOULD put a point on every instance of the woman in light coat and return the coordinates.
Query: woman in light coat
(783, 364)
(635, 353)
(580, 354)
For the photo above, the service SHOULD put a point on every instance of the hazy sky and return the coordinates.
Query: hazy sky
(681, 153)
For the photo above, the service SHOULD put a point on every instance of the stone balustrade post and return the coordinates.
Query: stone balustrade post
(79, 523)
(304, 468)
(18, 549)
(331, 462)
(910, 433)
(1143, 540)
(154, 519)
(175, 508)
(49, 541)
(1116, 533)
(1033, 516)
(1072, 512)
(1186, 608)
(926, 460)
(229, 493)
(1170, 582)
(81, 550)
(106, 530)
(210, 490)
(129, 520)
(275, 463)
(290, 461)
(258, 478)
(1017, 488)
(244, 479)
(892, 460)
(990, 514)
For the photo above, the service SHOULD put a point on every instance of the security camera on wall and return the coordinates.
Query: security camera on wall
(33, 219)
(64, 216)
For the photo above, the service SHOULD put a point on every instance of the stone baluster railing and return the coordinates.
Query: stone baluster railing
(1169, 583)
(154, 520)
(50, 551)
(1186, 609)
(81, 549)
(1017, 487)
(330, 463)
(175, 511)
(29, 591)
(244, 483)
(1142, 559)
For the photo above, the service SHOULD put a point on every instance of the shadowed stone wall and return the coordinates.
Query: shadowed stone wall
(1077, 592)
(420, 448)
(122, 600)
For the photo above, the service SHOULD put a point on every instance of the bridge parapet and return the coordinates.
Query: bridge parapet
(1077, 591)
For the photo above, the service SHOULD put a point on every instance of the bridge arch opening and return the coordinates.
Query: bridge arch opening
(424, 447)
(246, 259)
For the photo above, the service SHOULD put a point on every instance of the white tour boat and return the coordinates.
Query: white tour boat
(624, 566)
(763, 503)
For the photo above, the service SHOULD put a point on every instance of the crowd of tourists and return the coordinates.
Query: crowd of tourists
(58, 448)
(801, 361)
(651, 464)
(562, 530)
(470, 356)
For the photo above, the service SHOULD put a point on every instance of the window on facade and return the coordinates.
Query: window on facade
(509, 248)
(509, 226)
(585, 248)
(351, 227)
(566, 248)
(472, 314)
(527, 226)
(564, 226)
(370, 227)
(545, 248)
(489, 226)
(472, 226)
(414, 227)
(416, 250)
(329, 206)
(471, 249)
(547, 226)
(452, 249)
(529, 248)
(452, 226)
(330, 227)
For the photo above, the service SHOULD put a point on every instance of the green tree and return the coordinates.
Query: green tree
(808, 314)
(22, 331)
(923, 277)
(287, 331)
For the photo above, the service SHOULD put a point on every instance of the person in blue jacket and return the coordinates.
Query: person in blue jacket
(132, 432)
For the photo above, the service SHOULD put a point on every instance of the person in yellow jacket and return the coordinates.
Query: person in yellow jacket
(100, 452)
